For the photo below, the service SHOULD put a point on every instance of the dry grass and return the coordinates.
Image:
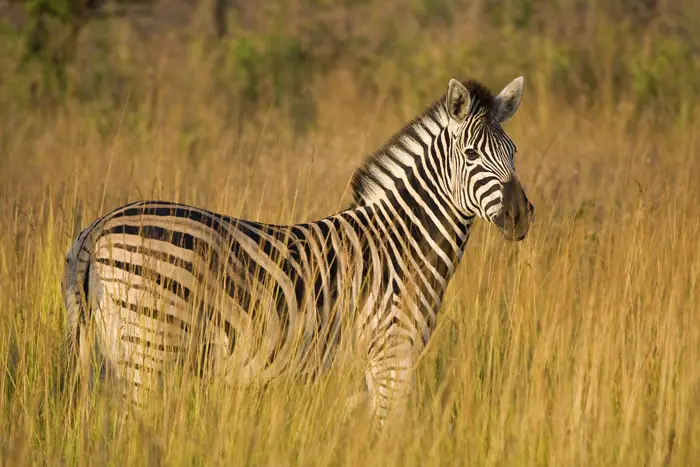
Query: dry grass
(578, 346)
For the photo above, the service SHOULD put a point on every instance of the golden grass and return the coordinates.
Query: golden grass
(578, 346)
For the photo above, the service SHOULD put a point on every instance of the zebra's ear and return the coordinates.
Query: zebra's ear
(508, 101)
(457, 100)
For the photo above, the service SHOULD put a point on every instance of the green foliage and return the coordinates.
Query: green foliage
(245, 62)
(50, 38)
(592, 54)
(509, 13)
(433, 11)
(666, 74)
(275, 68)
(57, 8)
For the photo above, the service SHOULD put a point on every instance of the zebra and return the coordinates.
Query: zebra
(156, 283)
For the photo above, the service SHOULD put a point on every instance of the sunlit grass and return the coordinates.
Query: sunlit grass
(578, 346)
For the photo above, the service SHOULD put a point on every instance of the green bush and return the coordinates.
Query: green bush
(598, 54)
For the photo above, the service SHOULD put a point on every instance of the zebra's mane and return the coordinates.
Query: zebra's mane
(367, 183)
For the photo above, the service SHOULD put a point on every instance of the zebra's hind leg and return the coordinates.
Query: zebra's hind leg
(362, 399)
(132, 347)
(83, 364)
(359, 400)
(139, 381)
(390, 376)
(355, 401)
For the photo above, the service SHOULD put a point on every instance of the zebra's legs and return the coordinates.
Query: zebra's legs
(358, 399)
(390, 375)
(84, 361)
(355, 401)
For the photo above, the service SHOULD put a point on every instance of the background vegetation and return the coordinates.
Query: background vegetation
(578, 346)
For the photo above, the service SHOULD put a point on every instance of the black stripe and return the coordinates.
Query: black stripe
(84, 300)
(153, 314)
(154, 232)
(148, 344)
(199, 247)
(217, 222)
(217, 319)
(165, 282)
(156, 254)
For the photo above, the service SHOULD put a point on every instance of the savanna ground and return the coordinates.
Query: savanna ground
(577, 346)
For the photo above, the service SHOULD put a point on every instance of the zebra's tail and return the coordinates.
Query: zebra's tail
(76, 297)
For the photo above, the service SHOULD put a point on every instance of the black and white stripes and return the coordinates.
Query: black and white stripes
(158, 282)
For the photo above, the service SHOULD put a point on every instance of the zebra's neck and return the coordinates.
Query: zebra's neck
(406, 185)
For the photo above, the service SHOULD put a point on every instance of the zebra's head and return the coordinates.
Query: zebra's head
(481, 163)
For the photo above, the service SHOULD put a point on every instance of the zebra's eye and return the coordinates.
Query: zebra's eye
(472, 154)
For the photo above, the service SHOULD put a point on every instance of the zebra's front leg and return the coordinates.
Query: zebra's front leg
(390, 374)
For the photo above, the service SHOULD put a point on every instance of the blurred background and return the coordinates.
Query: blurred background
(207, 84)
(286, 53)
(214, 81)
(199, 87)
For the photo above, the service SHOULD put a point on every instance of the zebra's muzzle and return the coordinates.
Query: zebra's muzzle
(517, 213)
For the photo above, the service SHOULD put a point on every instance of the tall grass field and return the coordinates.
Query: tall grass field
(579, 346)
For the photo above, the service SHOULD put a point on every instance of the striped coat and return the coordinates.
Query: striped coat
(156, 283)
